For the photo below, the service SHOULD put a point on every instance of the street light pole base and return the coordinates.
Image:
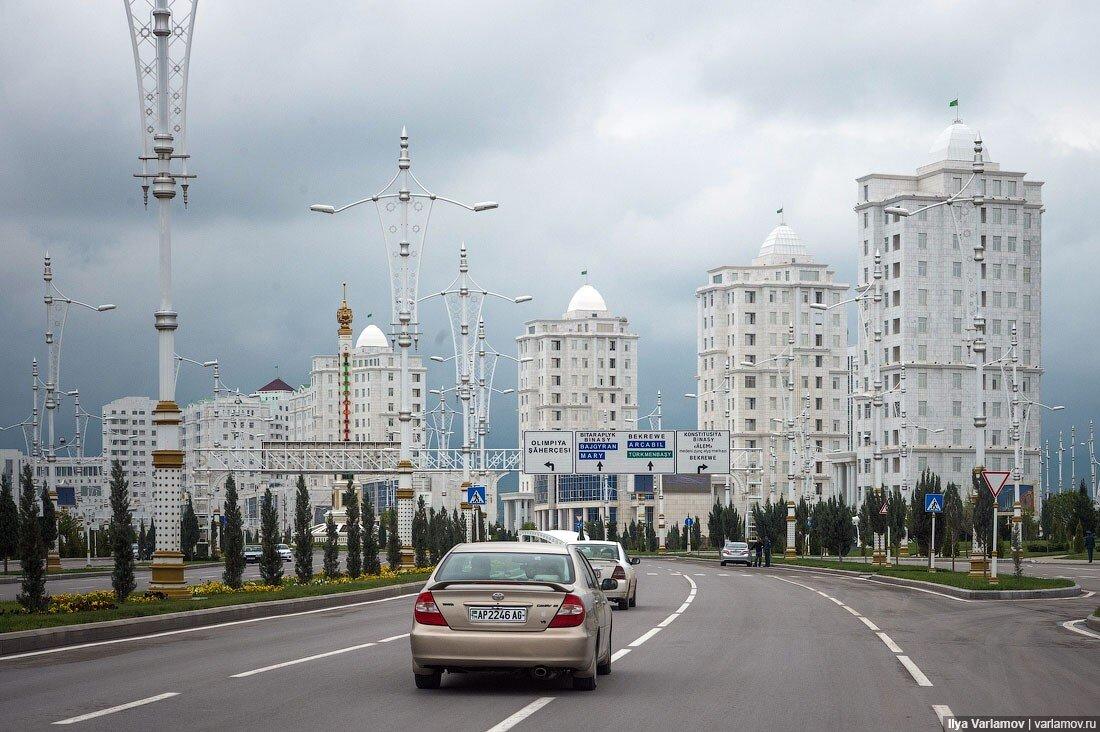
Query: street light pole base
(979, 565)
(53, 561)
(166, 575)
(878, 558)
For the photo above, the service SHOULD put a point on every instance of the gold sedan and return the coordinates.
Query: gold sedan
(511, 606)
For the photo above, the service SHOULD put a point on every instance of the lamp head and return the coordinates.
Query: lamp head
(323, 208)
(524, 298)
(485, 206)
(105, 308)
(896, 210)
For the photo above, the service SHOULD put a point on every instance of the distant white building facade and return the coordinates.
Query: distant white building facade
(129, 437)
(578, 372)
(933, 288)
(756, 327)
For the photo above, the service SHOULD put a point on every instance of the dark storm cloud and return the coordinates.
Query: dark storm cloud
(644, 143)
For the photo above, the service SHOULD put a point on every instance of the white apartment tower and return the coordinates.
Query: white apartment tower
(128, 437)
(756, 330)
(934, 292)
(578, 372)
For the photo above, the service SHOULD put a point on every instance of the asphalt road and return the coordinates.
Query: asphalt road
(750, 649)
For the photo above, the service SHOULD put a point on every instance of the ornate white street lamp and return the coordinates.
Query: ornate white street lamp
(162, 53)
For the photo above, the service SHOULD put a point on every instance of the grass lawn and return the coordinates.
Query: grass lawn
(1007, 581)
(12, 618)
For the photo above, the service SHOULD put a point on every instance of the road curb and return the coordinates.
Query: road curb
(1093, 621)
(16, 579)
(39, 639)
(1052, 594)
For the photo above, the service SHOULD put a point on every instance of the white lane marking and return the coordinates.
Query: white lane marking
(821, 593)
(723, 574)
(119, 708)
(668, 620)
(394, 637)
(868, 623)
(894, 647)
(918, 589)
(942, 712)
(700, 574)
(296, 661)
(521, 715)
(917, 674)
(745, 574)
(853, 612)
(682, 608)
(619, 654)
(652, 574)
(200, 628)
(1072, 625)
(838, 602)
(644, 637)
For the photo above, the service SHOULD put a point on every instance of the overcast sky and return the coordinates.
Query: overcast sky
(644, 142)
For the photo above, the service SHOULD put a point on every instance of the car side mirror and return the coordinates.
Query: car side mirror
(635, 560)
(609, 584)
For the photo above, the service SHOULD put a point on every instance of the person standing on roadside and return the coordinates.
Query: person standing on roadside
(1090, 543)
(767, 551)
(759, 550)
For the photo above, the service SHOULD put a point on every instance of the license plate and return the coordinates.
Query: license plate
(498, 614)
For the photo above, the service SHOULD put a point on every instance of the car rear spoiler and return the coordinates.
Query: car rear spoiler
(556, 586)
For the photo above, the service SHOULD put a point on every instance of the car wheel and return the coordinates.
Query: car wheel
(622, 604)
(603, 668)
(722, 563)
(634, 597)
(428, 681)
(588, 683)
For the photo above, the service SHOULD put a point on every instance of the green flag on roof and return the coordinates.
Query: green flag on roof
(953, 103)
(584, 271)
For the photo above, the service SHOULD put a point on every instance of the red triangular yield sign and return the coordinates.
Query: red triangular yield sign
(995, 480)
(883, 510)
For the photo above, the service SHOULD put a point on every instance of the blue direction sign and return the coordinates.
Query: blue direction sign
(475, 495)
(578, 525)
(689, 521)
(933, 502)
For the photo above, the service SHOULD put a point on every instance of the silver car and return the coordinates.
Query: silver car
(609, 559)
(735, 552)
(512, 606)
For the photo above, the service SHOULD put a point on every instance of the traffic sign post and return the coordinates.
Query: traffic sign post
(994, 480)
(548, 452)
(616, 453)
(933, 504)
(475, 495)
(703, 452)
(688, 522)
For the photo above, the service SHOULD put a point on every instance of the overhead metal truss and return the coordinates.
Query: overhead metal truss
(342, 457)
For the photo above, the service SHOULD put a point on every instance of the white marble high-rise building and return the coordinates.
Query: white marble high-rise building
(750, 319)
(577, 372)
(129, 437)
(933, 289)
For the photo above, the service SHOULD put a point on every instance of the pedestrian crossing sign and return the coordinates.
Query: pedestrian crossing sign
(475, 495)
(933, 502)
(885, 508)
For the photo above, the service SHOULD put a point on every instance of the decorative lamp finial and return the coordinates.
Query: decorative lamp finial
(344, 315)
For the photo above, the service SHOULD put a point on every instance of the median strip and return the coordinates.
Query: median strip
(119, 708)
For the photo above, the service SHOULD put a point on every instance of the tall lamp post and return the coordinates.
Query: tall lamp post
(403, 213)
(162, 55)
(57, 313)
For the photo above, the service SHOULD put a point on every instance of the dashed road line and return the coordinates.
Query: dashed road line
(942, 712)
(510, 722)
(894, 647)
(644, 637)
(868, 623)
(916, 673)
(619, 654)
(119, 708)
(296, 661)
(394, 637)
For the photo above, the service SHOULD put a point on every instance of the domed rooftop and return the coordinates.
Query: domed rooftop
(783, 242)
(372, 337)
(956, 142)
(585, 299)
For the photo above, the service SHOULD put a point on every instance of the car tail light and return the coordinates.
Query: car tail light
(426, 612)
(619, 573)
(570, 614)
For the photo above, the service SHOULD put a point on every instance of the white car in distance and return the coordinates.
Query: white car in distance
(610, 560)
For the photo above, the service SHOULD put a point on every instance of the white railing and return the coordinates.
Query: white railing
(344, 457)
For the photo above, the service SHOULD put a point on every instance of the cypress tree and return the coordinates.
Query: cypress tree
(355, 543)
(150, 540)
(32, 549)
(303, 539)
(142, 540)
(383, 528)
(214, 537)
(271, 564)
(122, 534)
(696, 535)
(459, 528)
(393, 541)
(371, 563)
(420, 534)
(189, 531)
(331, 563)
(9, 522)
(233, 539)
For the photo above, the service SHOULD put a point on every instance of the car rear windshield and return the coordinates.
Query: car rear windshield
(599, 551)
(506, 566)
